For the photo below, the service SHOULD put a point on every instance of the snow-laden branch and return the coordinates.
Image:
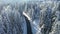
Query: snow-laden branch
(26, 16)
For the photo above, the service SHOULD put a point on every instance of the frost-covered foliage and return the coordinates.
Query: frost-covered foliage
(12, 20)
(43, 17)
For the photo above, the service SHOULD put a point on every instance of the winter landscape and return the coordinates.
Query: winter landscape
(29, 17)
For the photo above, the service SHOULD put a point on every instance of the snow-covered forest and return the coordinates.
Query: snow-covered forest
(31, 17)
